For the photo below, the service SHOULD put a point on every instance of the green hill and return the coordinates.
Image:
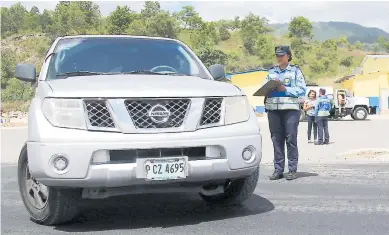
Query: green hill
(240, 44)
(326, 30)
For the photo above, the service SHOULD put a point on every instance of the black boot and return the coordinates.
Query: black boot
(276, 176)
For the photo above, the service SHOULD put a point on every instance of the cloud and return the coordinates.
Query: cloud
(370, 14)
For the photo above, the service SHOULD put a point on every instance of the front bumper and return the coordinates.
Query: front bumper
(80, 147)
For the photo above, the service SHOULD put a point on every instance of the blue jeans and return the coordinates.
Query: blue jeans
(311, 123)
(283, 125)
(322, 126)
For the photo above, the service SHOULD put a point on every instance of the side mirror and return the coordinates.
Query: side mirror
(217, 71)
(25, 72)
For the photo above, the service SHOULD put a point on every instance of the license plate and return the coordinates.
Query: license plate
(165, 168)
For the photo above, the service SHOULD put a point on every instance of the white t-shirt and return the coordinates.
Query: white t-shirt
(311, 111)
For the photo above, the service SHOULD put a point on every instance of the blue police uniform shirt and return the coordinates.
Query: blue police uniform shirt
(291, 77)
(323, 106)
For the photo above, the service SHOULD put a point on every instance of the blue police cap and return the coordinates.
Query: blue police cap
(282, 50)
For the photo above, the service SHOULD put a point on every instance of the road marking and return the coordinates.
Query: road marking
(330, 209)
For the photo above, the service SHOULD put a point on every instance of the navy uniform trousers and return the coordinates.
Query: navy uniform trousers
(283, 125)
(322, 126)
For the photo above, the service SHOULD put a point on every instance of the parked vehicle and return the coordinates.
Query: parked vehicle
(116, 115)
(344, 104)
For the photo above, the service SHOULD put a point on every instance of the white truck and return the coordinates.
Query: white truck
(117, 115)
(344, 103)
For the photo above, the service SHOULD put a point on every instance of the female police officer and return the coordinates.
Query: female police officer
(283, 110)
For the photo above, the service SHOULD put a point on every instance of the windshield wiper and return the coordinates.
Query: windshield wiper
(138, 72)
(178, 74)
(153, 73)
(79, 73)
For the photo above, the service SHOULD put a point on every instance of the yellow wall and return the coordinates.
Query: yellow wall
(367, 84)
(374, 65)
(366, 88)
(248, 79)
(250, 83)
(349, 85)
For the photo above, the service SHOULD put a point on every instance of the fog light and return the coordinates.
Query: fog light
(248, 154)
(60, 163)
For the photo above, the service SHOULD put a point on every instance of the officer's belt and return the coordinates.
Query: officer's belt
(282, 103)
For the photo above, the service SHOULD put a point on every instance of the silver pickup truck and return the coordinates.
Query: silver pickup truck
(117, 115)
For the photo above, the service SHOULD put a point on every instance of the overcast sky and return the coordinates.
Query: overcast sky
(370, 14)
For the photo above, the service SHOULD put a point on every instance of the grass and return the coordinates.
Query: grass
(15, 106)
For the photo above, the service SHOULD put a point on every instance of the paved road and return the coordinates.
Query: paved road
(348, 199)
(326, 199)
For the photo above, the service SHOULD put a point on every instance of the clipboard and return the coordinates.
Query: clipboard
(269, 86)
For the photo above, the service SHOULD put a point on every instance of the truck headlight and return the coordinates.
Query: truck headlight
(237, 109)
(67, 113)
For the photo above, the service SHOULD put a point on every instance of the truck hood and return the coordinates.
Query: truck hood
(121, 86)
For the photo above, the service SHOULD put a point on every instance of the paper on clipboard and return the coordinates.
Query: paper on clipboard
(269, 86)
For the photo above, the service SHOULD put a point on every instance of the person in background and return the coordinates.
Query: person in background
(322, 111)
(309, 108)
(283, 111)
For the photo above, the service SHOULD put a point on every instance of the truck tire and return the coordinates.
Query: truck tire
(46, 205)
(236, 192)
(359, 113)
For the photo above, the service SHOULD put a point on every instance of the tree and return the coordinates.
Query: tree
(358, 45)
(31, 20)
(45, 20)
(224, 33)
(205, 37)
(342, 41)
(119, 20)
(330, 45)
(300, 27)
(210, 56)
(264, 48)
(16, 16)
(298, 47)
(6, 23)
(34, 10)
(162, 25)
(346, 61)
(251, 27)
(236, 24)
(8, 62)
(383, 43)
(91, 12)
(189, 18)
(17, 91)
(376, 48)
(150, 9)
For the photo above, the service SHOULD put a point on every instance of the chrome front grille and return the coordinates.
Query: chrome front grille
(98, 113)
(212, 111)
(157, 113)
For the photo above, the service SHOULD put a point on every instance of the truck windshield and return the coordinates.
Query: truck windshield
(113, 55)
